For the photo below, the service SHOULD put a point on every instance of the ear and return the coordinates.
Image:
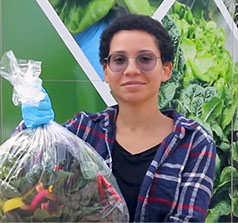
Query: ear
(167, 71)
(105, 72)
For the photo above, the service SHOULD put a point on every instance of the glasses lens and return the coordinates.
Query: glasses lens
(117, 62)
(146, 61)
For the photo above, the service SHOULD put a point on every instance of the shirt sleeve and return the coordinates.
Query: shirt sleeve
(197, 183)
(72, 125)
(79, 124)
(19, 128)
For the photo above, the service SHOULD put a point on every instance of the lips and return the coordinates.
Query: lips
(132, 83)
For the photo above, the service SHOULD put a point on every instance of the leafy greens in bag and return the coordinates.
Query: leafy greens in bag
(48, 174)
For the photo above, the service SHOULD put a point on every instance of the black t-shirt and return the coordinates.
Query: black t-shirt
(129, 171)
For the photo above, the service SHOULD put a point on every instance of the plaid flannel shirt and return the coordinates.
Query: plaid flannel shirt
(178, 184)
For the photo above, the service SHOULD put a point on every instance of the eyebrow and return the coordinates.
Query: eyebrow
(139, 52)
(118, 52)
(146, 51)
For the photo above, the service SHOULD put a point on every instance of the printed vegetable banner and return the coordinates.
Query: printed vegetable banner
(204, 83)
(207, 92)
(87, 19)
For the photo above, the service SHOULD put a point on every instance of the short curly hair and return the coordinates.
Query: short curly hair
(142, 23)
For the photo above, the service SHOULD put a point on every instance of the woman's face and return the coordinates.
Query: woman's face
(132, 84)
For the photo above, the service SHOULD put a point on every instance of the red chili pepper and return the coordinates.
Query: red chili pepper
(58, 167)
(44, 205)
(37, 199)
(101, 190)
(109, 187)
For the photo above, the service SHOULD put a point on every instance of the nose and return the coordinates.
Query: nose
(131, 66)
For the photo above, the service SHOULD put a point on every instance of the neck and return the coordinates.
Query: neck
(138, 116)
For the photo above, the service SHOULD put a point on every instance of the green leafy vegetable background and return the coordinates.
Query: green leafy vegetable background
(204, 83)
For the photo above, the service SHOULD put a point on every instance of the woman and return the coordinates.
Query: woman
(164, 163)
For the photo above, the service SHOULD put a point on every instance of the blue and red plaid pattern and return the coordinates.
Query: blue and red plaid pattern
(178, 184)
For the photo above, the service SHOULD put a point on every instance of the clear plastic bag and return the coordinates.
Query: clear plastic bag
(48, 174)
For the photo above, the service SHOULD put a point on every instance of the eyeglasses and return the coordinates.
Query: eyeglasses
(118, 62)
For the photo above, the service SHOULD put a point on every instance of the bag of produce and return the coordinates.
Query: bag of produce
(48, 174)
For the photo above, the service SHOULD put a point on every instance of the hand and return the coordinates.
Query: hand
(34, 116)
